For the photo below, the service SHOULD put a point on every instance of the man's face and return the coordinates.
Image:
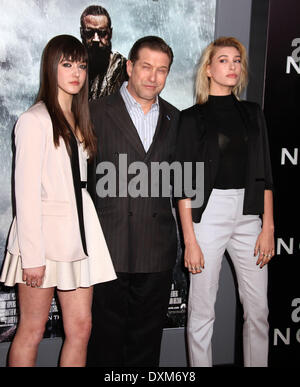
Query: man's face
(96, 31)
(147, 76)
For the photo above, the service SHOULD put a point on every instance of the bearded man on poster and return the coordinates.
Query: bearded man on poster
(107, 69)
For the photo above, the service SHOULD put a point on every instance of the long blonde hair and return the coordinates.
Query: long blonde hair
(202, 84)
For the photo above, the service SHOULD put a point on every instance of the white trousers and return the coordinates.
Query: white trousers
(224, 227)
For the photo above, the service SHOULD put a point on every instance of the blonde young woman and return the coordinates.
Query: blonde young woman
(55, 241)
(230, 137)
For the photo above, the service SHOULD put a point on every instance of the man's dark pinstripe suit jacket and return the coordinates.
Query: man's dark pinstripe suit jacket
(140, 232)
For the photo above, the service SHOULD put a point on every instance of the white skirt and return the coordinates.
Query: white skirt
(83, 273)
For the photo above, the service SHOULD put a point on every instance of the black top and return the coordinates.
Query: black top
(232, 142)
(197, 142)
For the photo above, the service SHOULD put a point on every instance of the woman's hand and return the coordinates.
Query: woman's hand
(34, 276)
(265, 244)
(265, 247)
(193, 258)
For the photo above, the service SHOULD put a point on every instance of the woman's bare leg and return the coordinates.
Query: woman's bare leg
(76, 314)
(34, 310)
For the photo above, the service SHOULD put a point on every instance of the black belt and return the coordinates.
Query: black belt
(83, 184)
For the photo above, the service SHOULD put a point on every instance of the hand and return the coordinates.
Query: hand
(265, 247)
(34, 276)
(193, 258)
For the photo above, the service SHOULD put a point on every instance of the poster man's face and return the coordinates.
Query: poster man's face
(96, 30)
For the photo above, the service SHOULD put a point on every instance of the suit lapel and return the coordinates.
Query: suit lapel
(163, 123)
(117, 110)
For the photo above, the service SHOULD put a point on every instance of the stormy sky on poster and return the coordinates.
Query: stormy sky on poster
(27, 25)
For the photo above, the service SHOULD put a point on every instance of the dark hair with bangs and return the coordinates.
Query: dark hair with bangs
(66, 47)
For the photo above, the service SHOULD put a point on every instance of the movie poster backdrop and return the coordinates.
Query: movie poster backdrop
(282, 111)
(26, 26)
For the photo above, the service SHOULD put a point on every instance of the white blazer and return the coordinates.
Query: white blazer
(46, 223)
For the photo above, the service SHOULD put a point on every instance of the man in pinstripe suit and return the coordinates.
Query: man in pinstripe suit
(129, 313)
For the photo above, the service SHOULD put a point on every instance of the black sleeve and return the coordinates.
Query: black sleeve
(266, 150)
(188, 147)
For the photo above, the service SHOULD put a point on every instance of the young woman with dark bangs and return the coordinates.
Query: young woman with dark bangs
(56, 241)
